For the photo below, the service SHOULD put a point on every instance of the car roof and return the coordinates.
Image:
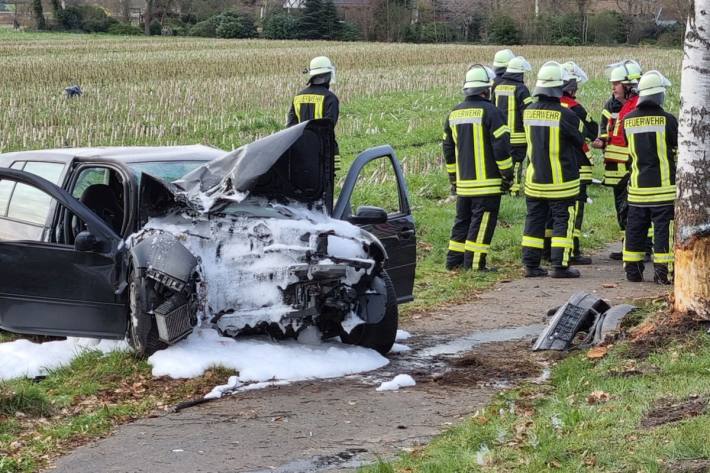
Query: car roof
(123, 154)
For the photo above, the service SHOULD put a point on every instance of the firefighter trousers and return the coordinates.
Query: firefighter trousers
(640, 220)
(562, 217)
(471, 235)
(579, 218)
(518, 154)
(621, 201)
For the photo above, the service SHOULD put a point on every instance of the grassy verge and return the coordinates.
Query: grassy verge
(40, 419)
(645, 406)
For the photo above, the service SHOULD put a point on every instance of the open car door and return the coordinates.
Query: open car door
(61, 290)
(394, 226)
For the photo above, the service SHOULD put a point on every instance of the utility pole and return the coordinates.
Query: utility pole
(692, 244)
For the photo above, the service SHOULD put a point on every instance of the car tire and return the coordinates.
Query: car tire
(142, 329)
(380, 336)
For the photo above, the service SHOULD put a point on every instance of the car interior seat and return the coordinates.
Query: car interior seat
(102, 200)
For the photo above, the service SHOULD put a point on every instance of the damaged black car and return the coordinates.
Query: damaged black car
(148, 243)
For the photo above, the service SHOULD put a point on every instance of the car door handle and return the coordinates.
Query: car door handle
(406, 234)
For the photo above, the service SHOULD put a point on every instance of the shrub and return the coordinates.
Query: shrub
(606, 27)
(671, 38)
(502, 29)
(349, 32)
(206, 28)
(93, 19)
(124, 29)
(281, 26)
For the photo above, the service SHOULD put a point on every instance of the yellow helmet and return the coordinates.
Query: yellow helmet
(502, 58)
(479, 78)
(518, 64)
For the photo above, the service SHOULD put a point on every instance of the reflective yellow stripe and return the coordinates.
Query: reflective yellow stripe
(477, 191)
(662, 152)
(457, 246)
(527, 100)
(581, 127)
(479, 152)
(469, 183)
(517, 138)
(569, 240)
(548, 233)
(562, 242)
(315, 99)
(511, 116)
(533, 242)
(633, 256)
(505, 164)
(500, 131)
(451, 168)
(455, 137)
(606, 113)
(555, 165)
(649, 233)
(472, 246)
(663, 258)
(634, 161)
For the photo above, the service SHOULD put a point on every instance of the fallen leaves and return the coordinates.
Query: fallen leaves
(597, 353)
(597, 397)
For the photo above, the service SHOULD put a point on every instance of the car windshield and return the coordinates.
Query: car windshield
(166, 170)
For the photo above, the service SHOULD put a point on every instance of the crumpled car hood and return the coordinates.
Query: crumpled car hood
(293, 164)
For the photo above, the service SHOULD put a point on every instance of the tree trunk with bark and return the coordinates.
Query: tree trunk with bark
(148, 16)
(692, 247)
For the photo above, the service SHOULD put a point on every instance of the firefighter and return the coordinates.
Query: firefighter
(500, 63)
(577, 77)
(652, 135)
(552, 179)
(476, 147)
(317, 100)
(511, 96)
(624, 78)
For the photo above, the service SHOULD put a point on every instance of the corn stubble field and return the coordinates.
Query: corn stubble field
(163, 91)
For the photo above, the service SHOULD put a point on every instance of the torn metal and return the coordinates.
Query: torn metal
(582, 313)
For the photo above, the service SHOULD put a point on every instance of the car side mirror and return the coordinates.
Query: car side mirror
(85, 241)
(367, 215)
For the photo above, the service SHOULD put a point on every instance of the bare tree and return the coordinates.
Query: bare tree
(148, 16)
(692, 247)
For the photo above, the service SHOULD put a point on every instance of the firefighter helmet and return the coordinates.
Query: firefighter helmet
(626, 72)
(575, 72)
(550, 79)
(502, 58)
(479, 79)
(518, 65)
(652, 87)
(320, 71)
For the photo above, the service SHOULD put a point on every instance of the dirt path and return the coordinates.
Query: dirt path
(336, 425)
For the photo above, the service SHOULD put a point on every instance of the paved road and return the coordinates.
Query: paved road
(335, 425)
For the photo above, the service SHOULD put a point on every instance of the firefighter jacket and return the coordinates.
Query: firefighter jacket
(652, 135)
(315, 101)
(584, 154)
(554, 134)
(477, 148)
(614, 171)
(617, 148)
(511, 96)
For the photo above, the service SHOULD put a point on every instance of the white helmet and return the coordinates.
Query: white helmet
(626, 72)
(550, 79)
(575, 72)
(518, 65)
(652, 87)
(321, 65)
(479, 78)
(502, 58)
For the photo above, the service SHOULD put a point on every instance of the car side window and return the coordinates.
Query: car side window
(88, 177)
(377, 186)
(31, 205)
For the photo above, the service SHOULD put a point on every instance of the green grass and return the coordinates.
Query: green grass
(554, 427)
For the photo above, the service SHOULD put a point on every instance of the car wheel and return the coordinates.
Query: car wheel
(142, 329)
(379, 336)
